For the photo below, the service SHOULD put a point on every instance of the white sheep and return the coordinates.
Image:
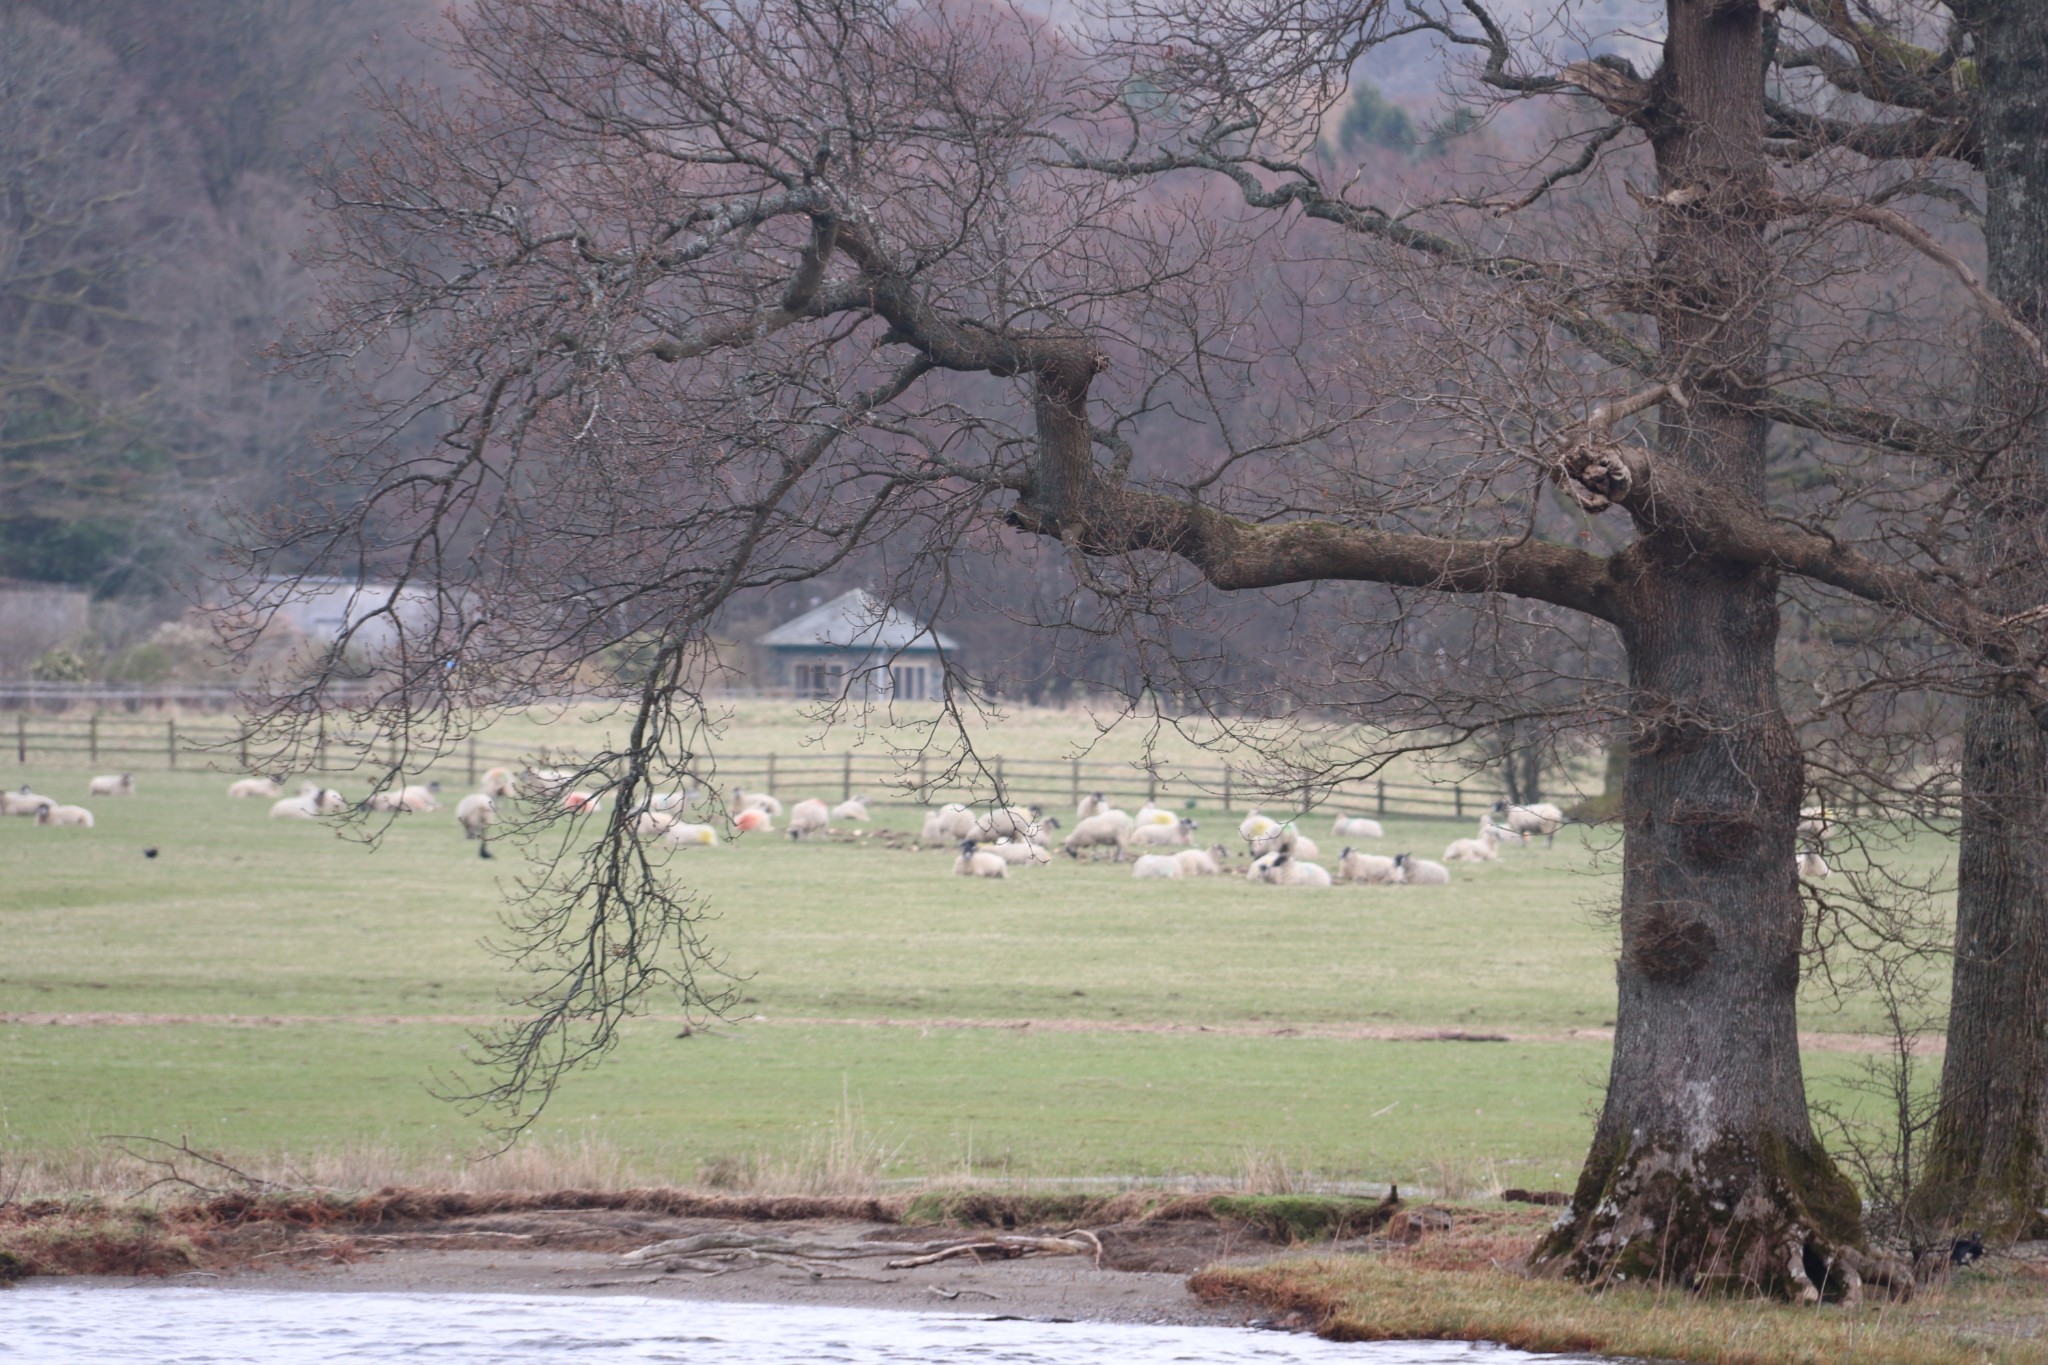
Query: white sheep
(1283, 869)
(1179, 834)
(1284, 838)
(947, 825)
(121, 784)
(1255, 827)
(1811, 867)
(1369, 868)
(850, 810)
(1484, 849)
(267, 788)
(1019, 852)
(1164, 866)
(309, 805)
(1094, 803)
(1010, 822)
(673, 802)
(1814, 824)
(808, 817)
(754, 820)
(1356, 827)
(1202, 862)
(476, 812)
(761, 801)
(974, 862)
(545, 783)
(649, 824)
(500, 785)
(23, 802)
(1413, 871)
(681, 835)
(1105, 829)
(1149, 814)
(1538, 817)
(51, 814)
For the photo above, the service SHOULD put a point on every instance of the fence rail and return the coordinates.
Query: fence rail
(178, 743)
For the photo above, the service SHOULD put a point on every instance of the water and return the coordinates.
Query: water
(59, 1324)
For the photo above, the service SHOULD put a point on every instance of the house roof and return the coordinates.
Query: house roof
(855, 620)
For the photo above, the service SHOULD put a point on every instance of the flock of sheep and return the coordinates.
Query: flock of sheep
(1159, 843)
(48, 810)
(1280, 853)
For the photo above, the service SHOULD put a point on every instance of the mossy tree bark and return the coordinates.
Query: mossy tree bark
(1704, 1170)
(1985, 1168)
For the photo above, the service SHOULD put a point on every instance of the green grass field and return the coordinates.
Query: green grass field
(368, 960)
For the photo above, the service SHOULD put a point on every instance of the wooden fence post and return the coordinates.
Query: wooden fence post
(1076, 774)
(1382, 782)
(21, 735)
(242, 747)
(846, 777)
(171, 741)
(1226, 789)
(92, 738)
(924, 778)
(1151, 786)
(472, 759)
(770, 787)
(320, 746)
(1458, 799)
(1002, 789)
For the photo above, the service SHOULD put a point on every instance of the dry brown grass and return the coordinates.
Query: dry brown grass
(1467, 1285)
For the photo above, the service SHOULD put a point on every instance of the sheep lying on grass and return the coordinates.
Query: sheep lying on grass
(23, 802)
(119, 784)
(761, 801)
(1368, 868)
(1202, 862)
(1176, 833)
(251, 788)
(51, 814)
(1811, 867)
(946, 825)
(1413, 871)
(499, 784)
(1165, 866)
(1356, 827)
(1284, 869)
(311, 803)
(974, 861)
(853, 809)
(808, 817)
(1018, 852)
(681, 835)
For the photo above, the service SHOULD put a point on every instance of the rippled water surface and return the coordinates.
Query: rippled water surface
(52, 1324)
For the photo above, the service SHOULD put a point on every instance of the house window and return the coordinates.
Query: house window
(908, 684)
(820, 682)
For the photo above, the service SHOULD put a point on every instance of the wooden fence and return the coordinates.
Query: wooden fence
(124, 742)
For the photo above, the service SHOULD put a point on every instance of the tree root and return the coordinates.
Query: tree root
(685, 1252)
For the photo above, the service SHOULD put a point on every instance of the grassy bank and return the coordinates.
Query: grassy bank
(1466, 1286)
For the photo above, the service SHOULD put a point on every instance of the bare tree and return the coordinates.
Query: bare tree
(1944, 100)
(700, 302)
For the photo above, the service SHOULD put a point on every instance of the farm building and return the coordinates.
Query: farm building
(320, 608)
(855, 646)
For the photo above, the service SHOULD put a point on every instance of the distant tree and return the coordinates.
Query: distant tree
(1371, 121)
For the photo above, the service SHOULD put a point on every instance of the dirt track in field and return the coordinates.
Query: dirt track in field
(1812, 1042)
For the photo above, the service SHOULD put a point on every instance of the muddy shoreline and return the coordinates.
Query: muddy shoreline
(1128, 1265)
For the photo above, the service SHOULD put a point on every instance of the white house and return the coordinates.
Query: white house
(855, 646)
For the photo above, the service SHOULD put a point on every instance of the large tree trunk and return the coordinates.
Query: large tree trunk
(1704, 1169)
(1985, 1165)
